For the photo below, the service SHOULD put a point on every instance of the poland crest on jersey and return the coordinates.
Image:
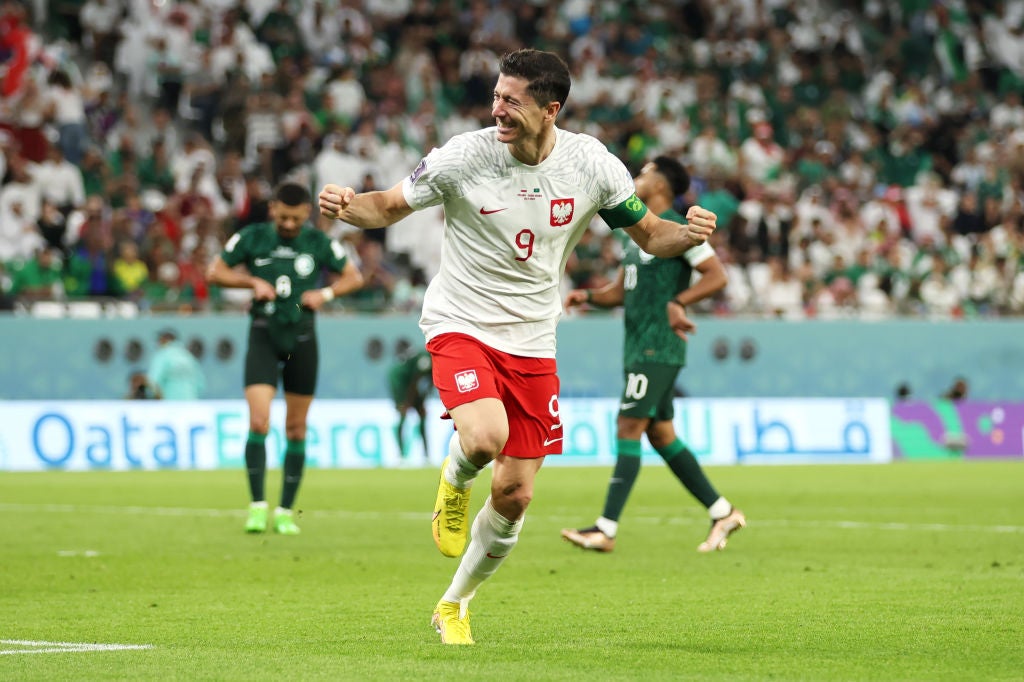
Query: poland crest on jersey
(466, 381)
(561, 211)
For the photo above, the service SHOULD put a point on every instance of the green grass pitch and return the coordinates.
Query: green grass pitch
(910, 571)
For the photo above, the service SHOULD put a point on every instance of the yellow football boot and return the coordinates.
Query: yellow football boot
(450, 513)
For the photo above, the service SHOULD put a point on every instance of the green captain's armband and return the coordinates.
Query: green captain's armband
(628, 213)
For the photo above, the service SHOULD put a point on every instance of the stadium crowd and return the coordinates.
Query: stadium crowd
(864, 159)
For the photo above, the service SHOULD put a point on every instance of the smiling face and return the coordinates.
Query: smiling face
(522, 121)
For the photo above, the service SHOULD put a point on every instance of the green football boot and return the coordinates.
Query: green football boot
(284, 523)
(257, 521)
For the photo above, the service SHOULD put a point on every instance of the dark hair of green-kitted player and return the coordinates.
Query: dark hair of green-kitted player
(673, 172)
(290, 208)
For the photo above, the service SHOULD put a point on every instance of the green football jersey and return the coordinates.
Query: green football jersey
(292, 266)
(650, 283)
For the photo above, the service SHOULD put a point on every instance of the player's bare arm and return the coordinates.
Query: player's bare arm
(667, 239)
(713, 279)
(348, 281)
(366, 210)
(608, 296)
(221, 274)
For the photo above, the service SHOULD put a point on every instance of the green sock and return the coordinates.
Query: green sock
(256, 464)
(423, 437)
(686, 468)
(294, 461)
(627, 468)
(400, 436)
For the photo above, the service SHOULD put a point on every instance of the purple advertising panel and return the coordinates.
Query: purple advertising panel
(938, 429)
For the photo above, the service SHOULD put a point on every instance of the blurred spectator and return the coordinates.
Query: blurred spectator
(379, 278)
(66, 109)
(155, 171)
(20, 206)
(52, 226)
(346, 95)
(782, 295)
(903, 392)
(139, 387)
(937, 292)
(957, 391)
(174, 371)
(192, 284)
(202, 91)
(968, 218)
(890, 134)
(40, 277)
(128, 274)
(280, 32)
(162, 292)
(409, 291)
(99, 19)
(28, 114)
(585, 261)
(761, 158)
(87, 271)
(59, 181)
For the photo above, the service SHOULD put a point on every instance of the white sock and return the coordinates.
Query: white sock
(493, 537)
(720, 509)
(258, 505)
(460, 472)
(607, 526)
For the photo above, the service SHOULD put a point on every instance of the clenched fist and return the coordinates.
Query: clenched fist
(334, 199)
(700, 223)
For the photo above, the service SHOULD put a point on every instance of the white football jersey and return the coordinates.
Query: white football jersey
(509, 230)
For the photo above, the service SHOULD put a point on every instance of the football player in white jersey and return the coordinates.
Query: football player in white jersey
(517, 197)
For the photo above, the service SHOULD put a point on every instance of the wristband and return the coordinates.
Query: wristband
(676, 301)
(328, 294)
(590, 295)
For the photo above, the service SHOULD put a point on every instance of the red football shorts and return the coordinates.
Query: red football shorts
(466, 370)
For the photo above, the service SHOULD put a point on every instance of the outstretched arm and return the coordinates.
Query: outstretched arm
(667, 239)
(367, 210)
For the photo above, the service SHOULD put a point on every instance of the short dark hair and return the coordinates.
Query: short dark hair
(292, 194)
(547, 73)
(674, 172)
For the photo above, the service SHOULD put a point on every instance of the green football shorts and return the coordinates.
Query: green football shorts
(649, 390)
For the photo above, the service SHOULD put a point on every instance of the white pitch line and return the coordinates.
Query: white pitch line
(419, 516)
(39, 647)
(882, 525)
(198, 512)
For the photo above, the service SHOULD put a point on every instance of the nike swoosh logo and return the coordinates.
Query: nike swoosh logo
(484, 211)
(263, 261)
(491, 556)
(626, 406)
(552, 440)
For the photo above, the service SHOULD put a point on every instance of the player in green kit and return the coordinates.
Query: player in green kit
(655, 293)
(283, 262)
(410, 380)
